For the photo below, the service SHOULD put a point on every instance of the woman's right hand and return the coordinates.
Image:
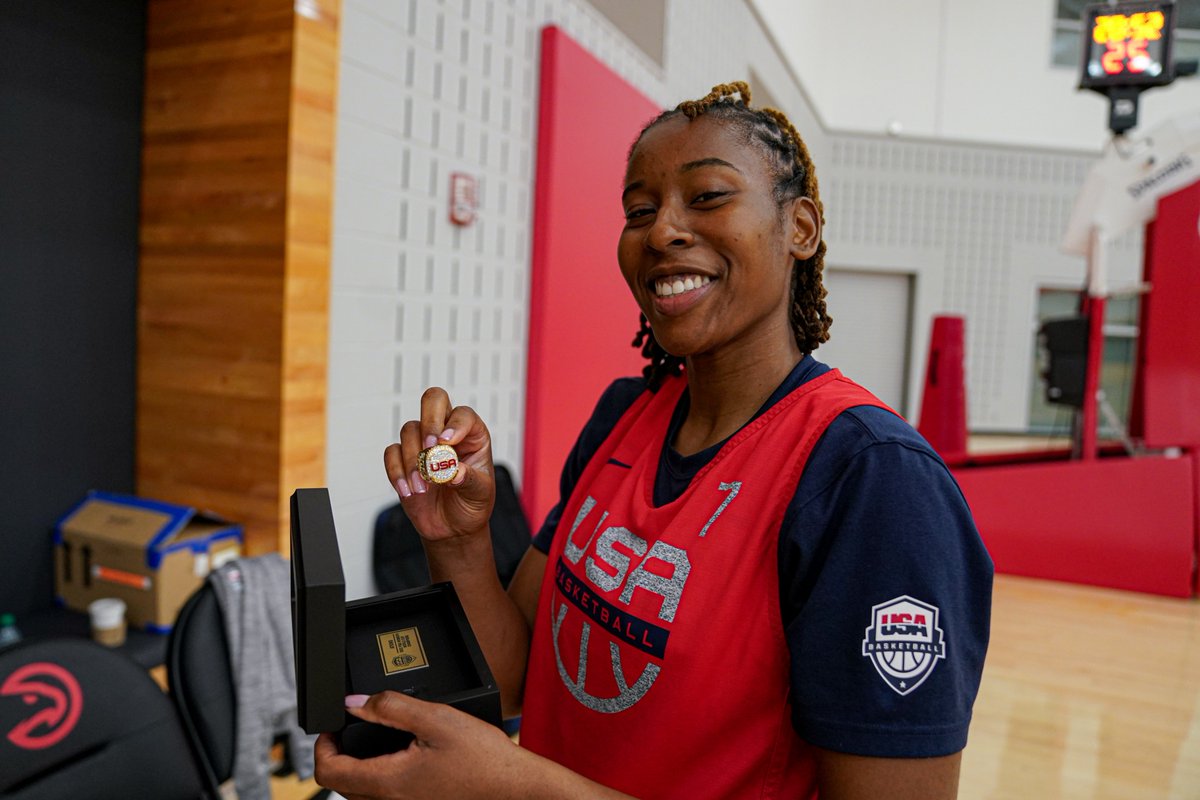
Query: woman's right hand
(463, 506)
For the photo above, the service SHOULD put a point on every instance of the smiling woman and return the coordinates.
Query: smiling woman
(780, 162)
(816, 508)
(758, 580)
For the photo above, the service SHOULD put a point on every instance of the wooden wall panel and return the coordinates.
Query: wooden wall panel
(313, 120)
(233, 307)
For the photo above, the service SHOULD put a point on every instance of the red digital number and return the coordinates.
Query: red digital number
(1113, 61)
(1139, 59)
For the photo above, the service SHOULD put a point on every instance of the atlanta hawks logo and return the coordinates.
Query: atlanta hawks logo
(904, 642)
(49, 724)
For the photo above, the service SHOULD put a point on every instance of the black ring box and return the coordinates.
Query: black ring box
(417, 641)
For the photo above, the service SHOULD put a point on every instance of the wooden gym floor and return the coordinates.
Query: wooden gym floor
(1087, 693)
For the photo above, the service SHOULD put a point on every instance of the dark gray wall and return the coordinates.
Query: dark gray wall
(70, 139)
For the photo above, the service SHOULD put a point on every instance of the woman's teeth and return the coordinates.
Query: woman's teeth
(678, 284)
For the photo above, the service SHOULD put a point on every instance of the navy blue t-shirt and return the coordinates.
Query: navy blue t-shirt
(885, 586)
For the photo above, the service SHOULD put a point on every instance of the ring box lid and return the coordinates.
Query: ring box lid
(318, 613)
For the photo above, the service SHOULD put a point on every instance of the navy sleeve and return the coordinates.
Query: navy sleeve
(886, 594)
(613, 404)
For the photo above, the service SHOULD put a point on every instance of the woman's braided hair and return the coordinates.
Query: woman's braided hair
(795, 177)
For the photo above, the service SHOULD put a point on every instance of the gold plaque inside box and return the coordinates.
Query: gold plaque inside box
(401, 650)
(374, 644)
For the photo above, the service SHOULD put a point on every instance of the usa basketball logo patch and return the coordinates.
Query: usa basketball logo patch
(904, 642)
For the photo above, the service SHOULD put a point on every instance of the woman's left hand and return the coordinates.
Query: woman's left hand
(453, 755)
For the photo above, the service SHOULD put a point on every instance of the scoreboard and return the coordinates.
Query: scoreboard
(1128, 44)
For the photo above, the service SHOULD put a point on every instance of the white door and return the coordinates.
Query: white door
(872, 321)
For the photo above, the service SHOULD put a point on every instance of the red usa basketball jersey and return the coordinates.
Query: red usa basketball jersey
(658, 664)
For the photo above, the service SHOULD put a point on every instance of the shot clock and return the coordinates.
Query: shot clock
(1128, 44)
(1127, 50)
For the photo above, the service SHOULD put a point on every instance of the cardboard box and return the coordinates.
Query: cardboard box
(150, 554)
(417, 642)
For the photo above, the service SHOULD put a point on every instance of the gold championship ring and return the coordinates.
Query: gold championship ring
(438, 464)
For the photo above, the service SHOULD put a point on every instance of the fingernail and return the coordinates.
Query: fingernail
(416, 484)
(356, 700)
(459, 476)
(430, 440)
(402, 487)
(447, 435)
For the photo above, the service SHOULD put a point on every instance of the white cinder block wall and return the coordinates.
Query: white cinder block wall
(430, 87)
(978, 228)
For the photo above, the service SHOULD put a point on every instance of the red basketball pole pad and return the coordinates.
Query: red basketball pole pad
(943, 420)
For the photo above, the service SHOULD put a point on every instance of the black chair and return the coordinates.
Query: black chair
(398, 559)
(201, 684)
(82, 721)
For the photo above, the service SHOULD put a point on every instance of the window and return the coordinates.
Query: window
(1116, 368)
(1068, 32)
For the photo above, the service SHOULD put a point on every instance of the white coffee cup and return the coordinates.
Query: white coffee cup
(108, 621)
